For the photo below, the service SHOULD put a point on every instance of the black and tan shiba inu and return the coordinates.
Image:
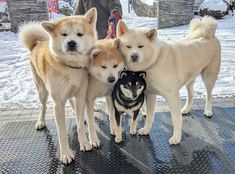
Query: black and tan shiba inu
(128, 97)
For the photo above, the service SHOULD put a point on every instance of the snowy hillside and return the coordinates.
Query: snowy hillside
(16, 84)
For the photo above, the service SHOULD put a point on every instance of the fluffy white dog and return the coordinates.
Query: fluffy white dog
(171, 65)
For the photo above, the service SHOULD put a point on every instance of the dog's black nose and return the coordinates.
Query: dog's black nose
(111, 79)
(72, 45)
(134, 95)
(134, 57)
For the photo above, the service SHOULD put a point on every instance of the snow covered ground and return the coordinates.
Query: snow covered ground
(213, 5)
(16, 84)
(149, 2)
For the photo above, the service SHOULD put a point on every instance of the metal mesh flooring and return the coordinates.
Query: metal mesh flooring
(208, 146)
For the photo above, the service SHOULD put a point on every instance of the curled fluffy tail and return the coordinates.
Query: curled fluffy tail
(203, 28)
(31, 33)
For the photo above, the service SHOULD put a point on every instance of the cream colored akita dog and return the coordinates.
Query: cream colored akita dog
(105, 66)
(171, 65)
(59, 65)
(106, 63)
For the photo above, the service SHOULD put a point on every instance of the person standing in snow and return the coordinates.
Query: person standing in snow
(109, 12)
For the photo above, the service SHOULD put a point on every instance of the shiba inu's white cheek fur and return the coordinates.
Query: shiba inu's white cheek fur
(127, 92)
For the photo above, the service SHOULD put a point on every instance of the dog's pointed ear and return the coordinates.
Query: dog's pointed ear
(121, 28)
(48, 26)
(151, 34)
(116, 43)
(142, 74)
(91, 16)
(94, 52)
(123, 74)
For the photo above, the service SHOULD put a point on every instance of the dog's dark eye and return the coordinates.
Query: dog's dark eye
(138, 86)
(128, 46)
(64, 34)
(140, 46)
(104, 67)
(115, 66)
(80, 34)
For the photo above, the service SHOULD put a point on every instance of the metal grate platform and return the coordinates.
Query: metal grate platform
(208, 146)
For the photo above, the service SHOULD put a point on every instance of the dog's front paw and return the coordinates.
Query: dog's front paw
(112, 131)
(143, 131)
(185, 111)
(118, 135)
(133, 131)
(118, 139)
(208, 113)
(95, 142)
(85, 146)
(175, 139)
(67, 157)
(142, 112)
(40, 124)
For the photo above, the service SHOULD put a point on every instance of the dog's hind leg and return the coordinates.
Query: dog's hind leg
(150, 102)
(143, 109)
(59, 111)
(133, 124)
(111, 115)
(43, 96)
(209, 75)
(71, 102)
(189, 102)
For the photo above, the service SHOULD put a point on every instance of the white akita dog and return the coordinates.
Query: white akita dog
(171, 65)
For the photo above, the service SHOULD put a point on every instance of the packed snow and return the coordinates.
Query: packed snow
(3, 7)
(149, 2)
(214, 5)
(16, 84)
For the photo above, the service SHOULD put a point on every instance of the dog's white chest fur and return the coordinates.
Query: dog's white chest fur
(121, 108)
